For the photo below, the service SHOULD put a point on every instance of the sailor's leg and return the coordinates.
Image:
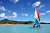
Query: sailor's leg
(37, 26)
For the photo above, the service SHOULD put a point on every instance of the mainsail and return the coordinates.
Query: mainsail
(36, 17)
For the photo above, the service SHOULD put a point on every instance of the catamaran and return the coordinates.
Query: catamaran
(36, 18)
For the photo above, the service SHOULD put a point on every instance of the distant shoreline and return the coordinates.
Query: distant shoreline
(11, 22)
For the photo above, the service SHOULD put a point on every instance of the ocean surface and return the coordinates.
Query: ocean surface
(24, 28)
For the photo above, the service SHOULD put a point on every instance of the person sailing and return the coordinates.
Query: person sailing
(37, 25)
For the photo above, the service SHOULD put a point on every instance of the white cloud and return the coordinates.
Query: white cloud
(14, 1)
(9, 16)
(14, 15)
(2, 8)
(22, 14)
(9, 11)
(26, 14)
(5, 17)
(36, 4)
(42, 13)
(47, 11)
(2, 15)
(41, 6)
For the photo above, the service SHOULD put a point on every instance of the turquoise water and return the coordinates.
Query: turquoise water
(24, 28)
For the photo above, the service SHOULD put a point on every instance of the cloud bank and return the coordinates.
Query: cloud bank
(36, 4)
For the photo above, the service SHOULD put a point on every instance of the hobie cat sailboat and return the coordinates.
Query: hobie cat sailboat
(36, 18)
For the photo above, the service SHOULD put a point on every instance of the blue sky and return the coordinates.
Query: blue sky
(23, 10)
